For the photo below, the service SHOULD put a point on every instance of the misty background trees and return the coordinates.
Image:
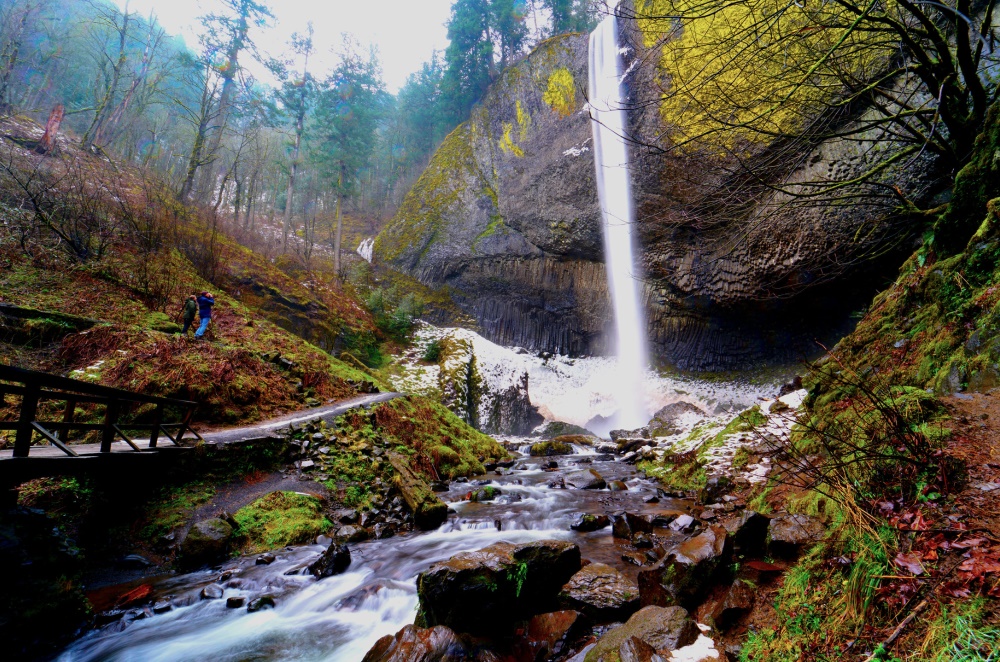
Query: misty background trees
(285, 157)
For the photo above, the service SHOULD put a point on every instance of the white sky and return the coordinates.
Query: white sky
(406, 32)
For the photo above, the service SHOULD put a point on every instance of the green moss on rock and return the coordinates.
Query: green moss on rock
(280, 519)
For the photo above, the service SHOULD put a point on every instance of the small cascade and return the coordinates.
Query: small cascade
(615, 195)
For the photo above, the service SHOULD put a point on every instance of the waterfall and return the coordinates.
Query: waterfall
(615, 195)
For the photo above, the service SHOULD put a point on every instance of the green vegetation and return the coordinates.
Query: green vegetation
(561, 92)
(280, 519)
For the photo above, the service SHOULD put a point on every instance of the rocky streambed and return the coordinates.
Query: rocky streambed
(542, 559)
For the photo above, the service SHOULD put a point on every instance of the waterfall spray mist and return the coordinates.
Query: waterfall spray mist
(615, 194)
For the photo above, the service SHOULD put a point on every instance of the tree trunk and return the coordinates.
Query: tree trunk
(48, 142)
(340, 224)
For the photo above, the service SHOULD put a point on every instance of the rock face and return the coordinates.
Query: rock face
(506, 217)
(485, 592)
(207, 542)
(601, 592)
(664, 629)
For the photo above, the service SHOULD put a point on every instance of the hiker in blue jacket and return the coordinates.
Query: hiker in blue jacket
(205, 303)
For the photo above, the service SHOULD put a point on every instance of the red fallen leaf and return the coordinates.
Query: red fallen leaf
(955, 590)
(910, 562)
(468, 496)
(764, 566)
(137, 594)
(919, 523)
(967, 543)
(930, 555)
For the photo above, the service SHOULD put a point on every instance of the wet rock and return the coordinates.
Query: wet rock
(260, 603)
(589, 522)
(414, 644)
(162, 606)
(683, 523)
(211, 592)
(664, 629)
(714, 488)
(488, 493)
(429, 512)
(484, 592)
(588, 479)
(687, 571)
(207, 542)
(601, 593)
(351, 533)
(789, 533)
(790, 387)
(606, 447)
(334, 560)
(346, 516)
(439, 486)
(547, 636)
(642, 541)
(637, 650)
(235, 602)
(265, 559)
(550, 448)
(620, 528)
(748, 531)
(738, 600)
(382, 531)
(651, 499)
(618, 486)
(637, 559)
(555, 429)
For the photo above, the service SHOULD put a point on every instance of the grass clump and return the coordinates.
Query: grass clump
(280, 519)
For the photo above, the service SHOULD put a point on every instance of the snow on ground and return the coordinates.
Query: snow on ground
(575, 390)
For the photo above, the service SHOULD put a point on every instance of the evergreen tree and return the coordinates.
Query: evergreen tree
(351, 105)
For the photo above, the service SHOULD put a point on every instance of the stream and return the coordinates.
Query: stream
(341, 617)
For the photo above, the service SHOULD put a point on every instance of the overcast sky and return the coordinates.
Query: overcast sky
(406, 32)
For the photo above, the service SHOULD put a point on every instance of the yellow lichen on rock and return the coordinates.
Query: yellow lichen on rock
(507, 142)
(752, 71)
(561, 92)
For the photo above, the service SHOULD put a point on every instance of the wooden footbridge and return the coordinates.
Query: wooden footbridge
(44, 407)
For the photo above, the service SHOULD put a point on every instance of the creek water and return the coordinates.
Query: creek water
(339, 618)
(615, 194)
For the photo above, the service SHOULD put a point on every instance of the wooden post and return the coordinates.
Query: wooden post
(29, 409)
(48, 142)
(110, 420)
(67, 418)
(157, 421)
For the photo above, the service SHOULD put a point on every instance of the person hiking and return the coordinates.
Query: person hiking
(190, 308)
(205, 303)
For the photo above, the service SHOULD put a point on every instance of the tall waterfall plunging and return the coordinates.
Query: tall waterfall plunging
(615, 195)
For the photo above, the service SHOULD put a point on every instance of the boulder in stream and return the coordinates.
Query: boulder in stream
(547, 636)
(334, 560)
(589, 522)
(588, 479)
(207, 542)
(601, 592)
(486, 591)
(550, 448)
(413, 644)
(664, 629)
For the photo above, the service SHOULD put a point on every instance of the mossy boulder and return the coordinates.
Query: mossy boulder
(550, 448)
(429, 511)
(280, 519)
(487, 591)
(208, 542)
(554, 429)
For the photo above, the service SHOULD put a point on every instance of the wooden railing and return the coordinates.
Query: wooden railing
(39, 387)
